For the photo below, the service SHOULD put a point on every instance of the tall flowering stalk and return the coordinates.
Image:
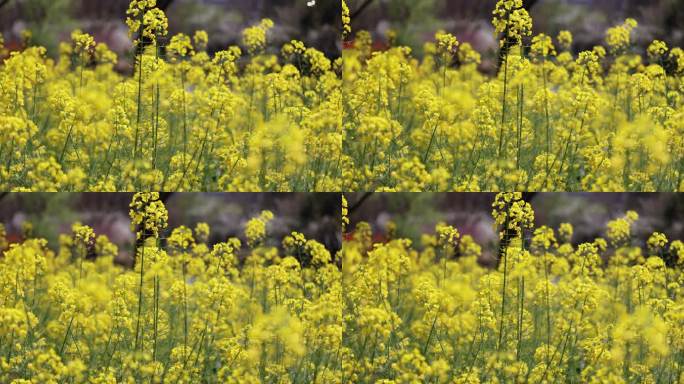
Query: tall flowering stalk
(148, 217)
(147, 23)
(513, 215)
(513, 22)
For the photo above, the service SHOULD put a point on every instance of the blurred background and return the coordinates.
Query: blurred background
(471, 214)
(416, 21)
(317, 23)
(316, 215)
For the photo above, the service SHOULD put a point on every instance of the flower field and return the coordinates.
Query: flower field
(247, 118)
(250, 301)
(186, 313)
(609, 118)
(606, 311)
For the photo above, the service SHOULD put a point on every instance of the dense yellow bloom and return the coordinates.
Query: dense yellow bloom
(148, 212)
(565, 39)
(603, 119)
(83, 42)
(181, 238)
(83, 233)
(255, 229)
(294, 242)
(542, 46)
(145, 20)
(565, 231)
(510, 17)
(202, 232)
(618, 38)
(180, 45)
(656, 242)
(446, 42)
(93, 321)
(17, 130)
(548, 313)
(320, 256)
(656, 50)
(512, 213)
(201, 40)
(255, 37)
(15, 323)
(619, 230)
(183, 120)
(446, 234)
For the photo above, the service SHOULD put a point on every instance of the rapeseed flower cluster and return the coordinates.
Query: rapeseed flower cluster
(188, 312)
(245, 118)
(346, 21)
(606, 311)
(605, 119)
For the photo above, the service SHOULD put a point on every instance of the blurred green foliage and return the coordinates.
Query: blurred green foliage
(46, 211)
(413, 213)
(418, 19)
(46, 19)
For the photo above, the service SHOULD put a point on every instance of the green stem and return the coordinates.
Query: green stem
(139, 105)
(427, 151)
(503, 107)
(66, 143)
(140, 297)
(503, 300)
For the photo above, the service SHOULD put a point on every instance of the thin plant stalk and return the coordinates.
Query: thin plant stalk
(140, 296)
(503, 106)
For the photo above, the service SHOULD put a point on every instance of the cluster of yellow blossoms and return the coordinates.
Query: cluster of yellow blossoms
(606, 311)
(188, 312)
(606, 119)
(241, 119)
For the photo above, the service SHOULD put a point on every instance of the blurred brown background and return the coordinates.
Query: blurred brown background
(470, 213)
(470, 20)
(316, 215)
(52, 21)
